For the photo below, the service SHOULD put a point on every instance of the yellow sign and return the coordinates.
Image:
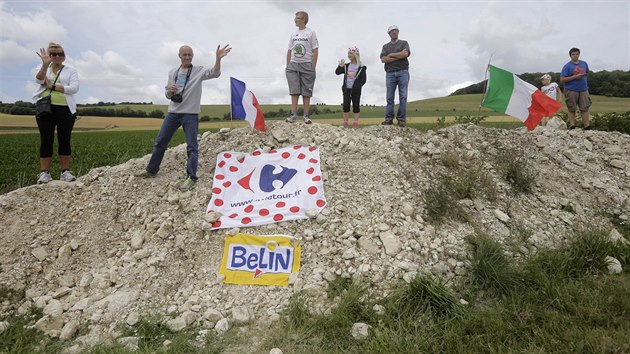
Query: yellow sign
(260, 259)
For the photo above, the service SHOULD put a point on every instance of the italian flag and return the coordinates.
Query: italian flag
(507, 93)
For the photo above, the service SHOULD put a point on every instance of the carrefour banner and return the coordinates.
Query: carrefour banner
(266, 187)
(260, 260)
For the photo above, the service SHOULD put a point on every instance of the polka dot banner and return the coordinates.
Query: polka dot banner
(266, 187)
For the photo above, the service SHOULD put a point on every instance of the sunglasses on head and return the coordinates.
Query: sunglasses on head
(60, 54)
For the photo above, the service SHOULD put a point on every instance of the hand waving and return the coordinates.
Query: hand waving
(43, 54)
(221, 52)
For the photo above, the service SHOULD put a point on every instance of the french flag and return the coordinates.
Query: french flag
(245, 105)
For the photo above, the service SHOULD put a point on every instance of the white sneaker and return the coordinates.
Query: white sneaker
(67, 177)
(43, 177)
(291, 118)
(307, 120)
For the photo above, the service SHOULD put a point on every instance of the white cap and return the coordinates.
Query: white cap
(546, 76)
(391, 28)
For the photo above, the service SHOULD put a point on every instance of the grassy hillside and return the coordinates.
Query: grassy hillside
(419, 112)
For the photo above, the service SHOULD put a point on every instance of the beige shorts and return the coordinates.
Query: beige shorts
(576, 99)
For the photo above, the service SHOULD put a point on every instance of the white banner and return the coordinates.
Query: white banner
(264, 188)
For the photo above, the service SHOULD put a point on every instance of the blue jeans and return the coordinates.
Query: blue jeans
(398, 78)
(172, 121)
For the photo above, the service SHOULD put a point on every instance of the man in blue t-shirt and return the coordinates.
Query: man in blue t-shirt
(574, 77)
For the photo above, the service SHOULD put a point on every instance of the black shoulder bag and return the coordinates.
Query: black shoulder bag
(43, 105)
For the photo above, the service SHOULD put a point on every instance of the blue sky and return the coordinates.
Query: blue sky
(124, 49)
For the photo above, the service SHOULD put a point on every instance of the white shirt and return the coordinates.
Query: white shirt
(301, 44)
(550, 90)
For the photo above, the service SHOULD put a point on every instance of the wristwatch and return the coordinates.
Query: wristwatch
(54, 87)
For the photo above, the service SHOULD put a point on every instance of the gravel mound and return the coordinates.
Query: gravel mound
(111, 248)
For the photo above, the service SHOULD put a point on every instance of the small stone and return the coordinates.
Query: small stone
(40, 253)
(222, 326)
(176, 324)
(360, 330)
(69, 330)
(132, 319)
(613, 265)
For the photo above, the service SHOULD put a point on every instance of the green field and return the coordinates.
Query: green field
(20, 162)
(433, 107)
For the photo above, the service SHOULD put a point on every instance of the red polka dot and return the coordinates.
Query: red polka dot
(249, 208)
(227, 184)
(278, 217)
(257, 153)
(221, 164)
(233, 168)
(317, 178)
(216, 190)
(312, 148)
(218, 202)
(232, 216)
(241, 160)
(210, 211)
(301, 156)
(216, 224)
(313, 161)
(246, 220)
(297, 147)
(321, 203)
(312, 190)
(273, 151)
(286, 155)
(227, 155)
(219, 177)
(294, 209)
(280, 204)
(263, 212)
(310, 170)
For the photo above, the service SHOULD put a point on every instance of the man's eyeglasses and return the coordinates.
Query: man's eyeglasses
(61, 54)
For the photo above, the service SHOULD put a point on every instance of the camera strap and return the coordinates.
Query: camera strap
(187, 77)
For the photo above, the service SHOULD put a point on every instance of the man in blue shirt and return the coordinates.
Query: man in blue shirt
(574, 77)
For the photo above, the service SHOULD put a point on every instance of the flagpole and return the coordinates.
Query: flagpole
(230, 102)
(485, 84)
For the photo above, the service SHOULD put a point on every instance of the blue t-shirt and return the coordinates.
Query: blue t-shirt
(571, 69)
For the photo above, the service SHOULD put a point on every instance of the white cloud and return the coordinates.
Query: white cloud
(124, 50)
(12, 53)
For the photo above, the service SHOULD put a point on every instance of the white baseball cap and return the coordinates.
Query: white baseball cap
(546, 76)
(391, 28)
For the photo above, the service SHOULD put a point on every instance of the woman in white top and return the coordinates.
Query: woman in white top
(61, 82)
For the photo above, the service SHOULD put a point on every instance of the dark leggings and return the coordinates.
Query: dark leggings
(63, 119)
(355, 97)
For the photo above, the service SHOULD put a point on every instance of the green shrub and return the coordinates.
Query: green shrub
(516, 170)
(612, 121)
(490, 268)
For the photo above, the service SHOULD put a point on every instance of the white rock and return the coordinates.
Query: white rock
(4, 325)
(275, 351)
(69, 330)
(360, 330)
(176, 324)
(40, 253)
(50, 325)
(613, 265)
(212, 315)
(241, 315)
(390, 242)
(130, 343)
(222, 326)
(132, 319)
(501, 215)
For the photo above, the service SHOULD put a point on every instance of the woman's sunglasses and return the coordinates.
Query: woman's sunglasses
(60, 54)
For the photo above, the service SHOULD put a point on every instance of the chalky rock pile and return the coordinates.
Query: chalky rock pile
(110, 248)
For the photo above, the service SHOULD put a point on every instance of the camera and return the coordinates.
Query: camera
(177, 98)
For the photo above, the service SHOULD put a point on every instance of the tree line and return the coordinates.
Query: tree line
(614, 83)
(22, 108)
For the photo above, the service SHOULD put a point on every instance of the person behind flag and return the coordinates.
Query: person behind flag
(574, 77)
(394, 55)
(550, 89)
(301, 63)
(183, 89)
(354, 77)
